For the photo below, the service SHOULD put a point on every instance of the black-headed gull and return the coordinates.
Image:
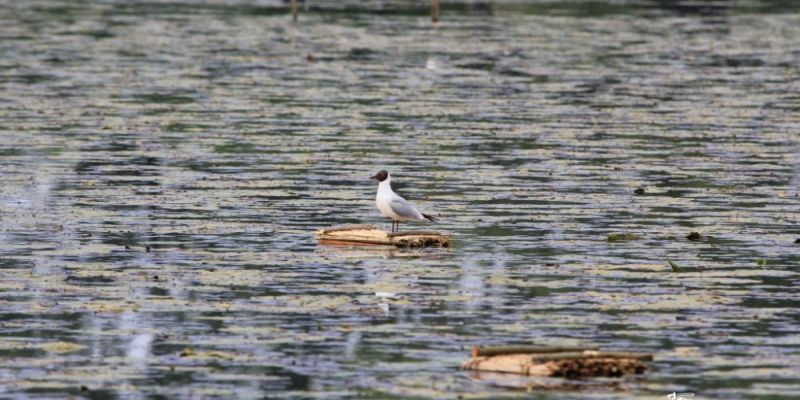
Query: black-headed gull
(393, 206)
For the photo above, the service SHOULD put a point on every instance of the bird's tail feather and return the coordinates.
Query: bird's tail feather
(429, 218)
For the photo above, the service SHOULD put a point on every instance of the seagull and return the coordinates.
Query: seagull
(393, 206)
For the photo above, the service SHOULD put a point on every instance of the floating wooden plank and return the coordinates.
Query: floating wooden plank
(370, 235)
(559, 363)
(499, 350)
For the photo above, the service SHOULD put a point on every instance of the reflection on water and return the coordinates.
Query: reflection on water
(139, 348)
(164, 167)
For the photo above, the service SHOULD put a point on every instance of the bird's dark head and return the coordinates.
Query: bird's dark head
(380, 176)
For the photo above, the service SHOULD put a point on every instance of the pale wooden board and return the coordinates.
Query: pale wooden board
(512, 363)
(368, 234)
(593, 365)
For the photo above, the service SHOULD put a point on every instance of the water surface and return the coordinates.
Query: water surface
(163, 166)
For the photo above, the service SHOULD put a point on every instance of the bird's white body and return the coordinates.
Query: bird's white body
(394, 207)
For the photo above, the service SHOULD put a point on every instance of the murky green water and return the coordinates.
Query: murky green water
(164, 164)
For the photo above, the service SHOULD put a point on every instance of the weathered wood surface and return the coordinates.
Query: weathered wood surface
(370, 235)
(567, 364)
(499, 350)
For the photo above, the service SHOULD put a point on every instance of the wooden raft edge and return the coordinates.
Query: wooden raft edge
(544, 364)
(370, 235)
(340, 228)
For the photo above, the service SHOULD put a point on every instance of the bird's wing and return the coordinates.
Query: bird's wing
(402, 208)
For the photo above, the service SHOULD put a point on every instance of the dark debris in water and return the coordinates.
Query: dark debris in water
(92, 279)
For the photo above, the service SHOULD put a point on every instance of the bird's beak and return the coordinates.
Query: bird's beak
(374, 177)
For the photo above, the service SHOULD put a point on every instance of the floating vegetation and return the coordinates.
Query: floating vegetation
(624, 236)
(61, 347)
(206, 355)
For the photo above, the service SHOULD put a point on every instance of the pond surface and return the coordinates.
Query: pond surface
(163, 166)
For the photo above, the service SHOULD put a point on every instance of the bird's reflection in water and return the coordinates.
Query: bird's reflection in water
(540, 383)
(370, 251)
